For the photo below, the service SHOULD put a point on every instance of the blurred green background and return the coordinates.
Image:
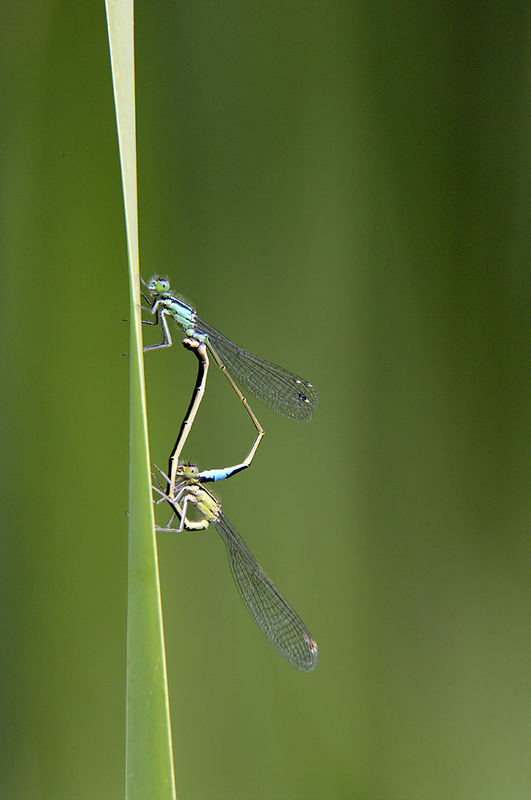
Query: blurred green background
(341, 187)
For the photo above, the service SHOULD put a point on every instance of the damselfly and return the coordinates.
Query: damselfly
(272, 613)
(276, 387)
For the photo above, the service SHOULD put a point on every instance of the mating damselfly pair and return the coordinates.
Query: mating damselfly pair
(277, 388)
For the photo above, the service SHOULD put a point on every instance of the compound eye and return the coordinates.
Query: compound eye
(190, 469)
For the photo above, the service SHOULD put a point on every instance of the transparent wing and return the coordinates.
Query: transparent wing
(271, 612)
(276, 387)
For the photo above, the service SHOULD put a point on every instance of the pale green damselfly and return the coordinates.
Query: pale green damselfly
(272, 613)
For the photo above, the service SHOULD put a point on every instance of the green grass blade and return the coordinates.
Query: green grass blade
(149, 759)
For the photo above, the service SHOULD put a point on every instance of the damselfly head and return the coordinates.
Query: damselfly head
(188, 471)
(157, 286)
